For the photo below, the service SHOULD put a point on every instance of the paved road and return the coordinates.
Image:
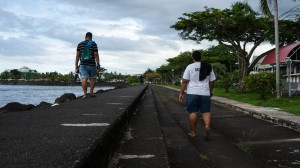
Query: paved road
(86, 133)
(237, 138)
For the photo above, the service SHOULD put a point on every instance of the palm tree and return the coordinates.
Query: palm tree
(264, 6)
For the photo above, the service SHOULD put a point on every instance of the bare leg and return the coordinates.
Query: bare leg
(92, 86)
(193, 118)
(84, 87)
(207, 119)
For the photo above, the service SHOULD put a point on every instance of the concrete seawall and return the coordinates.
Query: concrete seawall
(81, 133)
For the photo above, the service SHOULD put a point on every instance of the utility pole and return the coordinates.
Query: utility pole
(277, 49)
(173, 77)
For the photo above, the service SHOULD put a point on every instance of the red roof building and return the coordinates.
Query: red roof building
(291, 50)
(289, 64)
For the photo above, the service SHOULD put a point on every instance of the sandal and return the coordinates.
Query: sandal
(192, 135)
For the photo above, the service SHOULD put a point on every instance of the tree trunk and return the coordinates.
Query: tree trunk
(244, 73)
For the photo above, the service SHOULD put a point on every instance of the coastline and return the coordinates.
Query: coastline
(13, 106)
(49, 83)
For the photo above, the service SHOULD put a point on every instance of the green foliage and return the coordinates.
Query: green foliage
(223, 79)
(177, 64)
(115, 77)
(240, 23)
(238, 28)
(219, 54)
(133, 79)
(152, 76)
(5, 75)
(262, 83)
(175, 67)
(15, 74)
(289, 32)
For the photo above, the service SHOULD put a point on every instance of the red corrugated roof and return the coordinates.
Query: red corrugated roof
(283, 52)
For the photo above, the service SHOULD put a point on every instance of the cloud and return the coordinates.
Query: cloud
(132, 35)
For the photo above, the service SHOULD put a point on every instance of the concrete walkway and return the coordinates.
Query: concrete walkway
(274, 115)
(86, 133)
(237, 138)
(81, 133)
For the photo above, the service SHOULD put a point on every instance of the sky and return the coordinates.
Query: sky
(132, 35)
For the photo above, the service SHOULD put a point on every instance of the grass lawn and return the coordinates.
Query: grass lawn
(290, 105)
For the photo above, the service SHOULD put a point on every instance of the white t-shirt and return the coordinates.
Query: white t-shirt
(195, 86)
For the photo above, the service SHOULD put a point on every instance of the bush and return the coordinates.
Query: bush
(225, 79)
(262, 83)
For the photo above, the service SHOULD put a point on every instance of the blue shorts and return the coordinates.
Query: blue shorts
(87, 71)
(197, 103)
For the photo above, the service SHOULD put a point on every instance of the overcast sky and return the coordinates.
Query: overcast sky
(132, 35)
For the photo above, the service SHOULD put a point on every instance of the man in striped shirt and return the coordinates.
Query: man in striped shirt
(88, 69)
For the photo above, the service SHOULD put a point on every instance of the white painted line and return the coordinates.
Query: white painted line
(135, 156)
(92, 114)
(86, 125)
(115, 103)
(297, 162)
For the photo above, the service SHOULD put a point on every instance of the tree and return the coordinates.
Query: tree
(174, 69)
(151, 75)
(224, 80)
(214, 54)
(4, 75)
(133, 79)
(16, 74)
(238, 29)
(220, 54)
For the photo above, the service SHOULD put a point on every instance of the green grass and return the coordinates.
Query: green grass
(290, 105)
(204, 157)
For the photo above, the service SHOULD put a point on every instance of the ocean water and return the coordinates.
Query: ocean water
(28, 94)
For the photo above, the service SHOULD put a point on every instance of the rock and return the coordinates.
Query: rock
(65, 98)
(44, 105)
(100, 91)
(15, 106)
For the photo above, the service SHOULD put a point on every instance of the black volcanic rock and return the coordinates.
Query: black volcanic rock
(15, 106)
(65, 98)
(44, 105)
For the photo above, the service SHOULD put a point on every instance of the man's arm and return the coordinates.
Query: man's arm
(211, 87)
(182, 89)
(97, 58)
(77, 60)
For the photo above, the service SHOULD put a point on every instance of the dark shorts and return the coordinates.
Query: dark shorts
(197, 103)
(87, 71)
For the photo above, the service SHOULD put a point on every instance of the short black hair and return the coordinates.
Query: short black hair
(196, 55)
(89, 35)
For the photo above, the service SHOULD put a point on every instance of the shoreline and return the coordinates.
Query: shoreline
(14, 106)
(48, 83)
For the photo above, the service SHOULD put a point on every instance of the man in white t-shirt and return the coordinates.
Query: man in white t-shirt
(198, 78)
